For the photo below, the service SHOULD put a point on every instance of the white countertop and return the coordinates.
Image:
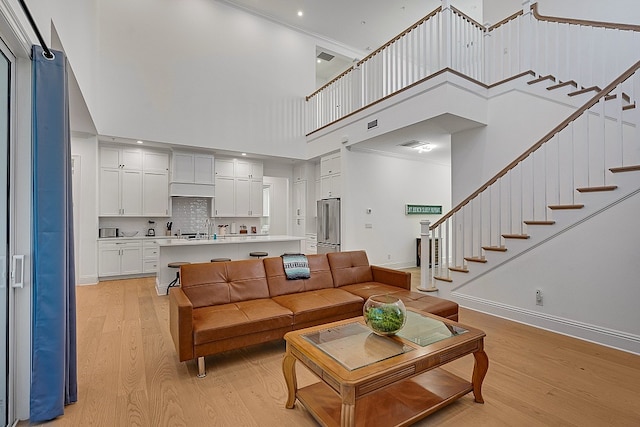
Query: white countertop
(221, 240)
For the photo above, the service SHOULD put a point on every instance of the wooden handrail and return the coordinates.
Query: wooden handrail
(467, 18)
(377, 51)
(338, 77)
(505, 20)
(534, 8)
(399, 36)
(590, 103)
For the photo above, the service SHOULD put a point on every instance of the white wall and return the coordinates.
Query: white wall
(204, 74)
(515, 122)
(87, 150)
(588, 277)
(385, 185)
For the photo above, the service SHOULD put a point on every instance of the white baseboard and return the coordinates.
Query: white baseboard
(608, 337)
(87, 280)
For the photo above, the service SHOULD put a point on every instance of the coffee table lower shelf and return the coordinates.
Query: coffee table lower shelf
(398, 404)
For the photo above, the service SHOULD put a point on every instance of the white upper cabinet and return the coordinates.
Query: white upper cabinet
(225, 167)
(155, 161)
(248, 169)
(133, 182)
(330, 180)
(192, 174)
(330, 165)
(238, 188)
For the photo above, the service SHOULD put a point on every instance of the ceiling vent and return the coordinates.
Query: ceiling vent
(325, 56)
(412, 144)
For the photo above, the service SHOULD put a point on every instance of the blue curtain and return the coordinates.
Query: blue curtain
(53, 346)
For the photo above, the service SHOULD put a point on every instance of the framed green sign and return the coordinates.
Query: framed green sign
(423, 210)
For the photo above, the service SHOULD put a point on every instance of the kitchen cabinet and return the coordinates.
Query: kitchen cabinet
(155, 194)
(225, 200)
(311, 244)
(133, 182)
(155, 161)
(239, 195)
(150, 253)
(120, 192)
(299, 207)
(119, 258)
(192, 174)
(121, 157)
(248, 197)
(330, 186)
(192, 168)
(330, 181)
(225, 167)
(248, 169)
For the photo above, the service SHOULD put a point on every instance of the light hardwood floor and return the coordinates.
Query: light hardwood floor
(129, 375)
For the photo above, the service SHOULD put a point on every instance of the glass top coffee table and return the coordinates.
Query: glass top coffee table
(369, 379)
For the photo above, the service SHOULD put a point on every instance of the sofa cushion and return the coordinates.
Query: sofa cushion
(434, 305)
(312, 306)
(218, 322)
(348, 268)
(214, 283)
(278, 283)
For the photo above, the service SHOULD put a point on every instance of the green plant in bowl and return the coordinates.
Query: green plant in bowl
(384, 314)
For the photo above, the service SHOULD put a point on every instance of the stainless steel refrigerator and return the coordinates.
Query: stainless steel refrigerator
(328, 225)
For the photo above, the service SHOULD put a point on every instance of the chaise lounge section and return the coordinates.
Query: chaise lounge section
(222, 306)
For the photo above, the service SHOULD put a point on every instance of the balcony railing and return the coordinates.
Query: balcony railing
(586, 52)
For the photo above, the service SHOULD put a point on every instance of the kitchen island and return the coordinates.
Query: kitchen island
(203, 250)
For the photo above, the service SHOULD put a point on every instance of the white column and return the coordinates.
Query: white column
(426, 284)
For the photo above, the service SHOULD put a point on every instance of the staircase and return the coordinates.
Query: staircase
(589, 162)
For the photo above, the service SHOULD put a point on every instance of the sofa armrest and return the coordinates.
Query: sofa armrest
(388, 276)
(181, 323)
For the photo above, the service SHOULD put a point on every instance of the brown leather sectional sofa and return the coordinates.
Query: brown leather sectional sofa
(222, 306)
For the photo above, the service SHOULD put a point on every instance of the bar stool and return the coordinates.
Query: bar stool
(220, 259)
(175, 281)
(258, 254)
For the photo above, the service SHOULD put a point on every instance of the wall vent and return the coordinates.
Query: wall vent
(412, 144)
(325, 56)
(373, 124)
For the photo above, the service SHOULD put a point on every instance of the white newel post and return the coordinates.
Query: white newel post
(526, 37)
(426, 284)
(446, 35)
(357, 86)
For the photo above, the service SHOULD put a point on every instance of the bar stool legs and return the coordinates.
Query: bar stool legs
(176, 281)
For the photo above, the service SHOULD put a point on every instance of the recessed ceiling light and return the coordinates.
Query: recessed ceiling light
(319, 60)
(424, 148)
(244, 154)
(139, 142)
(300, 13)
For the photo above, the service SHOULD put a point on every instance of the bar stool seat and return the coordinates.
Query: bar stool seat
(258, 254)
(176, 281)
(220, 259)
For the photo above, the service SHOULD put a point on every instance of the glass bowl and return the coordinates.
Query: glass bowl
(384, 314)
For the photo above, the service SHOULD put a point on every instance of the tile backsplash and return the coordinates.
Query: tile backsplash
(189, 214)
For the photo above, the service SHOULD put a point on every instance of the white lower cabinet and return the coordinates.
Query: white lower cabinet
(150, 252)
(311, 244)
(119, 258)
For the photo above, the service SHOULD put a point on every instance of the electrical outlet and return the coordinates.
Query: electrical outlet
(539, 297)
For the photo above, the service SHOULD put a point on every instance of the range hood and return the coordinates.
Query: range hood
(180, 189)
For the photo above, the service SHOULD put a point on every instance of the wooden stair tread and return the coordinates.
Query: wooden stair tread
(625, 169)
(585, 90)
(628, 107)
(442, 278)
(475, 259)
(595, 189)
(541, 78)
(610, 97)
(539, 222)
(495, 248)
(563, 84)
(459, 269)
(560, 207)
(515, 236)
